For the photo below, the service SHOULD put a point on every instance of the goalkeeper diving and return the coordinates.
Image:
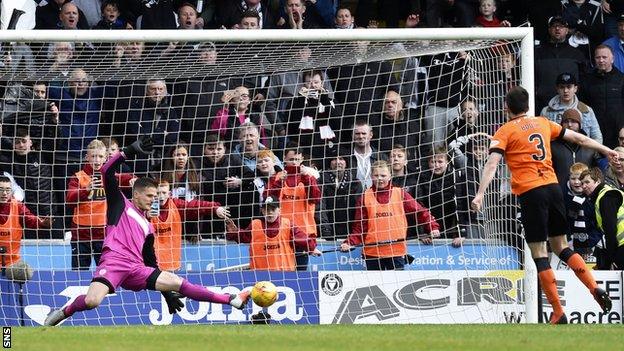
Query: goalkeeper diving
(128, 257)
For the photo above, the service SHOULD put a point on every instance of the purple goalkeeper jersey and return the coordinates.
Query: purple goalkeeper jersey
(126, 225)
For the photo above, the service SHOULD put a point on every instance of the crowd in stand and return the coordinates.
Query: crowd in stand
(306, 141)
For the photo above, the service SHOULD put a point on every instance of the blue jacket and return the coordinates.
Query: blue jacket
(618, 52)
(79, 118)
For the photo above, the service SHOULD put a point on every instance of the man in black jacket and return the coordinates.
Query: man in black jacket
(603, 89)
(47, 17)
(231, 13)
(35, 178)
(554, 57)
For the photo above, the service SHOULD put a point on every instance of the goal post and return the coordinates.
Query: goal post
(357, 69)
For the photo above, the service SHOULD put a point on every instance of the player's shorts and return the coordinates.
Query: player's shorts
(543, 213)
(115, 270)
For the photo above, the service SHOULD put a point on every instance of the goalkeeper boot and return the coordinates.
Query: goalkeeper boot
(603, 299)
(563, 319)
(240, 300)
(55, 317)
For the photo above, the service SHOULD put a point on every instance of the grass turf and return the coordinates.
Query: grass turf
(325, 337)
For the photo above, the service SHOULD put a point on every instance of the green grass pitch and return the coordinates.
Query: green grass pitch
(322, 337)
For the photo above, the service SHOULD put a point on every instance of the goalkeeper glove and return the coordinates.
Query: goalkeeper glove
(173, 301)
(143, 146)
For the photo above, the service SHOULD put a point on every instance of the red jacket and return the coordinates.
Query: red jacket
(30, 220)
(410, 205)
(292, 179)
(302, 243)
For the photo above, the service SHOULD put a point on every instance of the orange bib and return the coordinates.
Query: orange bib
(11, 235)
(386, 222)
(168, 243)
(89, 213)
(296, 207)
(273, 254)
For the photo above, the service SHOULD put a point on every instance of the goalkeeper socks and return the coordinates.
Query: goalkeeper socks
(577, 264)
(549, 286)
(77, 305)
(199, 293)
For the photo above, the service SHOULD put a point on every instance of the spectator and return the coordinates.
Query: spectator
(614, 175)
(609, 211)
(50, 16)
(580, 213)
(255, 186)
(249, 145)
(340, 190)
(237, 109)
(111, 17)
(621, 137)
(232, 13)
(188, 18)
(273, 239)
(401, 178)
(250, 19)
(446, 85)
(344, 19)
(299, 194)
(363, 155)
(300, 14)
(603, 89)
(487, 17)
(181, 174)
(85, 195)
(33, 176)
(566, 99)
(313, 117)
(615, 43)
(553, 57)
(61, 56)
(462, 127)
(222, 180)
(112, 146)
(586, 22)
(565, 154)
(168, 222)
(283, 87)
(157, 15)
(438, 192)
(13, 217)
(92, 10)
(153, 115)
(396, 125)
(381, 217)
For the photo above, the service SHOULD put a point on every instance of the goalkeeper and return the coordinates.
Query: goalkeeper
(128, 259)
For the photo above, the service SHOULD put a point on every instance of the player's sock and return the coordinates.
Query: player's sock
(77, 305)
(199, 293)
(577, 264)
(549, 286)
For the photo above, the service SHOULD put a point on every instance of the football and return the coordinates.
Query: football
(264, 294)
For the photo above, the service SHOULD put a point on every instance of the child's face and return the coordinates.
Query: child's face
(480, 152)
(398, 159)
(163, 193)
(271, 214)
(111, 13)
(293, 159)
(264, 165)
(470, 112)
(438, 164)
(112, 149)
(180, 158)
(487, 7)
(381, 177)
(214, 152)
(96, 158)
(575, 182)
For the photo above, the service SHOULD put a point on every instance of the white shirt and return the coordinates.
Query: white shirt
(364, 167)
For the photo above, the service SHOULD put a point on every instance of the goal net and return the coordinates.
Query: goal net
(260, 120)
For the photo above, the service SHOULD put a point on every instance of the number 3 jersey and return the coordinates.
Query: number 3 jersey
(525, 143)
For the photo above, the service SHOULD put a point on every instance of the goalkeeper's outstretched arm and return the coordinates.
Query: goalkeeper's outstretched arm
(114, 198)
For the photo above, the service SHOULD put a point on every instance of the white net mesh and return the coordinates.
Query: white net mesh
(326, 110)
